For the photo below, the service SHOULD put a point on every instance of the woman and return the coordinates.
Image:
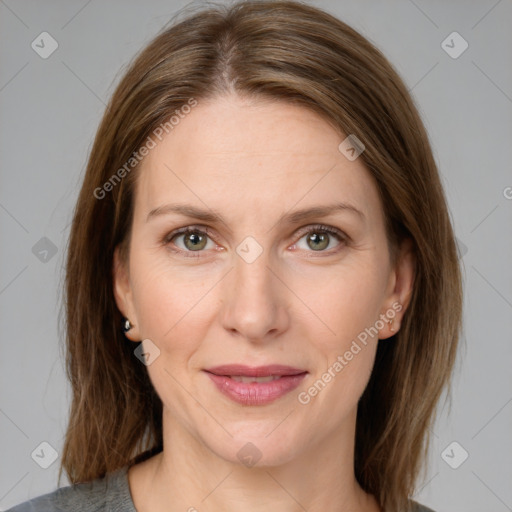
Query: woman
(263, 298)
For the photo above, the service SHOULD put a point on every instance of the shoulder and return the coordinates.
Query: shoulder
(110, 493)
(418, 507)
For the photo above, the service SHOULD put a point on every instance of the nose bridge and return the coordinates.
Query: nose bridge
(252, 276)
(253, 305)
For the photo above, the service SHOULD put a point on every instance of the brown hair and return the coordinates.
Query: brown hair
(292, 52)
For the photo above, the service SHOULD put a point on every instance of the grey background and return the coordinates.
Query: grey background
(50, 109)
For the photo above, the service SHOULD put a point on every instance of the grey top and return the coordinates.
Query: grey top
(109, 494)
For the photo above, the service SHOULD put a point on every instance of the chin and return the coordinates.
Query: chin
(250, 447)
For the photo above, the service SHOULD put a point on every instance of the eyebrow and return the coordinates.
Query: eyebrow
(213, 216)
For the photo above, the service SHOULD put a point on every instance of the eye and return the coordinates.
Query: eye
(318, 238)
(194, 239)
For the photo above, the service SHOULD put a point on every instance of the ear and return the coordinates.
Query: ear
(123, 294)
(400, 288)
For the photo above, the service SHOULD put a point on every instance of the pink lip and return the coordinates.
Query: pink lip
(255, 393)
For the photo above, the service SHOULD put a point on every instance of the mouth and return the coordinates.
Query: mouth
(255, 385)
(258, 372)
(243, 378)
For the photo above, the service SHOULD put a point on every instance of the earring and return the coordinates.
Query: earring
(390, 322)
(127, 325)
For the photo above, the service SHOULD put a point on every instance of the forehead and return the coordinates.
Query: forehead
(242, 156)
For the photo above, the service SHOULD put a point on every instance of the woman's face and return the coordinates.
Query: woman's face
(263, 285)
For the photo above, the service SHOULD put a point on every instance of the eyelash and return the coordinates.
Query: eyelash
(202, 230)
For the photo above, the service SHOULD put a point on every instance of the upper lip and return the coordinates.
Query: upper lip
(254, 371)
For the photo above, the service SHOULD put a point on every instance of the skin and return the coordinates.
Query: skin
(252, 161)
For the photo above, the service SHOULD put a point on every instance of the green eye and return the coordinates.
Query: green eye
(319, 241)
(195, 239)
(318, 238)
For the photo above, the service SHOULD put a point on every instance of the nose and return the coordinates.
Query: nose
(255, 304)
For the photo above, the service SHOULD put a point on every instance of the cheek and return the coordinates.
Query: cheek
(348, 300)
(172, 308)
(166, 298)
(345, 299)
(349, 305)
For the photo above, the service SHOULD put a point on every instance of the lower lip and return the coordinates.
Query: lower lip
(256, 393)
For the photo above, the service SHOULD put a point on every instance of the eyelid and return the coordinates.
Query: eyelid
(322, 227)
(186, 229)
